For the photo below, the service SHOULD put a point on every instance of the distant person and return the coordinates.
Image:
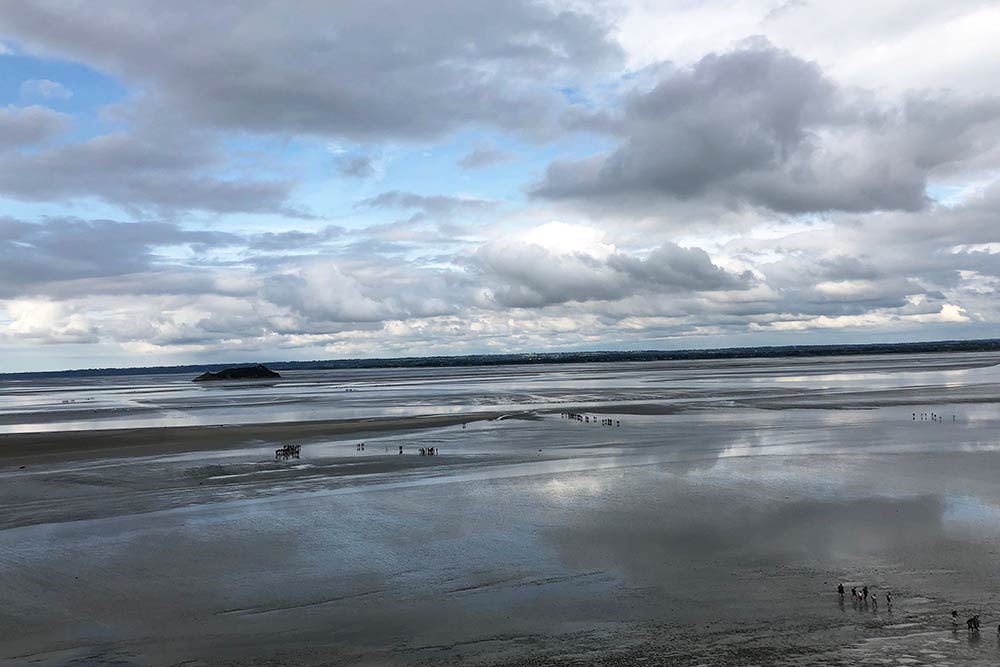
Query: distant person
(864, 594)
(954, 620)
(400, 449)
(840, 590)
(888, 600)
(874, 602)
(854, 594)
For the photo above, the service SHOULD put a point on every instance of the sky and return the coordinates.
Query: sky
(193, 182)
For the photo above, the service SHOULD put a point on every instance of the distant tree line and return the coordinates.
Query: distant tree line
(989, 345)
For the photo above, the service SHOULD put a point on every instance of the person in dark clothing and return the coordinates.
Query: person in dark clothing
(840, 590)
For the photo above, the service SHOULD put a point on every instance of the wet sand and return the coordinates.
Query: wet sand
(709, 528)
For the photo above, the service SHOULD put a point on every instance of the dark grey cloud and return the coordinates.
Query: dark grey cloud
(35, 255)
(431, 205)
(26, 126)
(526, 275)
(355, 166)
(293, 239)
(364, 70)
(763, 127)
(138, 174)
(481, 158)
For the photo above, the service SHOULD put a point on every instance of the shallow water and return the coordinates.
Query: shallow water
(712, 533)
(171, 400)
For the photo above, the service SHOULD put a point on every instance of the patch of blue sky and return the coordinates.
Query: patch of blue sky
(943, 193)
(434, 169)
(428, 169)
(90, 90)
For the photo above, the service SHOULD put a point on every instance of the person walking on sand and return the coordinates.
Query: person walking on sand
(400, 449)
(854, 595)
(864, 595)
(874, 602)
(840, 590)
(888, 600)
(954, 621)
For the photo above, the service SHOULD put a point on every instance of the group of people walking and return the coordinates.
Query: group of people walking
(860, 597)
(933, 416)
(972, 623)
(588, 419)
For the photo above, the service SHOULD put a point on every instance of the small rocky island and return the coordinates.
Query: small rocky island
(255, 372)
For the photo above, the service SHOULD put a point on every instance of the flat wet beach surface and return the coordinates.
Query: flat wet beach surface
(710, 527)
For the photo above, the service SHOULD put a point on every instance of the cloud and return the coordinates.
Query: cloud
(430, 205)
(762, 127)
(27, 126)
(483, 157)
(293, 239)
(41, 258)
(138, 174)
(560, 263)
(354, 70)
(45, 89)
(355, 166)
(48, 323)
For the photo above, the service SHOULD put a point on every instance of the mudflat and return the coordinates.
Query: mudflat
(697, 514)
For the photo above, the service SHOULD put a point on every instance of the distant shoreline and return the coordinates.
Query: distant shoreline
(530, 358)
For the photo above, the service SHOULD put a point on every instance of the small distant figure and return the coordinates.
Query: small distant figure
(954, 620)
(463, 425)
(953, 418)
(888, 600)
(973, 623)
(362, 446)
(400, 449)
(864, 595)
(854, 594)
(874, 602)
(840, 590)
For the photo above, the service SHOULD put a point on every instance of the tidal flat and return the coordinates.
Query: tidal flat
(145, 520)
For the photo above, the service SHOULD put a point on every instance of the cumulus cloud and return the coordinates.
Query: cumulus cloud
(138, 174)
(480, 158)
(45, 89)
(357, 70)
(355, 166)
(42, 257)
(25, 126)
(760, 126)
(430, 205)
(559, 263)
